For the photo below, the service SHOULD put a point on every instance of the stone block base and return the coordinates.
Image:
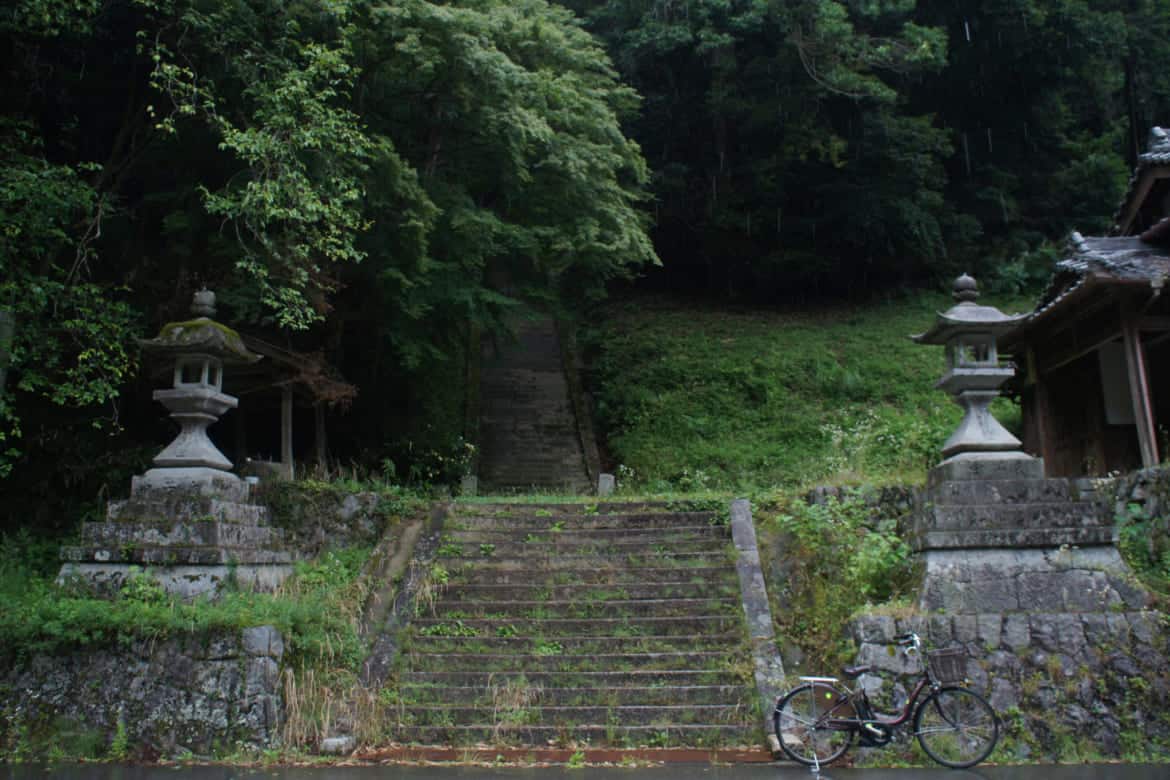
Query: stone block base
(186, 582)
(968, 582)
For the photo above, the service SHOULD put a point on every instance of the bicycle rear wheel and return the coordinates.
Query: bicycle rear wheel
(956, 727)
(807, 723)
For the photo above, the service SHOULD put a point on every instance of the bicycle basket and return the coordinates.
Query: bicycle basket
(948, 665)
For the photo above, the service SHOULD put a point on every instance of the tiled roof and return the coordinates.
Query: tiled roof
(1101, 260)
(1157, 153)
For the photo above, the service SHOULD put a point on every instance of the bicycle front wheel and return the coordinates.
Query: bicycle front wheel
(956, 727)
(807, 722)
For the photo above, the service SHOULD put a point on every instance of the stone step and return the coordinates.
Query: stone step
(570, 536)
(595, 696)
(590, 508)
(580, 521)
(554, 561)
(634, 678)
(1038, 515)
(589, 575)
(553, 628)
(1011, 538)
(529, 591)
(514, 711)
(577, 644)
(165, 532)
(452, 608)
(539, 547)
(630, 736)
(173, 555)
(186, 505)
(515, 663)
(1004, 491)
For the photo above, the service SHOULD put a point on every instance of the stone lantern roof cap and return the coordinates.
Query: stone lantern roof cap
(200, 336)
(967, 316)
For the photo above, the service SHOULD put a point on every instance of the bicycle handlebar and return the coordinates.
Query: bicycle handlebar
(910, 641)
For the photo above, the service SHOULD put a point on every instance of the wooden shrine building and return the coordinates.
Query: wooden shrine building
(1094, 356)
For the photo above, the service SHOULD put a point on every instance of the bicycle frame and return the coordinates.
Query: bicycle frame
(854, 723)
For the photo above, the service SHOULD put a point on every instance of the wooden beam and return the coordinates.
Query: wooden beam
(286, 429)
(1139, 390)
(1131, 207)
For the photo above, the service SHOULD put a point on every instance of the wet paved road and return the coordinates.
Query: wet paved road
(673, 772)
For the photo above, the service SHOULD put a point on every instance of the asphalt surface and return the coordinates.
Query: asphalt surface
(672, 772)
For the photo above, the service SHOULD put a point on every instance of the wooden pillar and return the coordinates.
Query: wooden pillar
(1139, 391)
(319, 434)
(286, 421)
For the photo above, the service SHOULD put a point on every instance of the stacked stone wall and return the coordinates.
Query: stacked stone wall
(1067, 685)
(200, 695)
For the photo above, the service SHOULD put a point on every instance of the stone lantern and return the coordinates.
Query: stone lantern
(974, 375)
(200, 348)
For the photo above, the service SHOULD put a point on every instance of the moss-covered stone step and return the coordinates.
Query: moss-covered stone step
(581, 696)
(210, 533)
(697, 588)
(554, 679)
(583, 522)
(558, 548)
(600, 608)
(464, 555)
(478, 508)
(696, 735)
(185, 505)
(556, 627)
(516, 708)
(574, 644)
(597, 575)
(595, 592)
(172, 555)
(515, 664)
(569, 537)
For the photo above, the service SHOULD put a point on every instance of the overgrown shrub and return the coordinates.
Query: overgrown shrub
(833, 558)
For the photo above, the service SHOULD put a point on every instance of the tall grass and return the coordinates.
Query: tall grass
(692, 396)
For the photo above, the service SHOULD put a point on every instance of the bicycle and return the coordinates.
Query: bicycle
(817, 721)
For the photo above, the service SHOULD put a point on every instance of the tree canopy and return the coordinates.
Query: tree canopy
(373, 180)
(366, 177)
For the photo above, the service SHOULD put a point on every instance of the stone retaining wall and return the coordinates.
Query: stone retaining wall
(203, 695)
(1067, 685)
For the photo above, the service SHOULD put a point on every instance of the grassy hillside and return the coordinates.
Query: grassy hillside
(695, 396)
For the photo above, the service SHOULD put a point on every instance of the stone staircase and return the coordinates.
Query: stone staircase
(604, 626)
(528, 434)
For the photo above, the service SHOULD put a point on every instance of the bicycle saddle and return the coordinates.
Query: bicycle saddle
(853, 672)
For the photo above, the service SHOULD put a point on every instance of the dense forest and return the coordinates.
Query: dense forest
(371, 182)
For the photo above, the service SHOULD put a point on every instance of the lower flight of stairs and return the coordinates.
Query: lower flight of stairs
(576, 625)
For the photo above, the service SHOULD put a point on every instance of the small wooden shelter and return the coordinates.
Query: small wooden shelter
(1094, 356)
(283, 380)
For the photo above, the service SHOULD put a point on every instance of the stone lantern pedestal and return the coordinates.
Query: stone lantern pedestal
(993, 534)
(190, 521)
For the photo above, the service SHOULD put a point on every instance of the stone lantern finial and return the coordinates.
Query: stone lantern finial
(965, 290)
(203, 303)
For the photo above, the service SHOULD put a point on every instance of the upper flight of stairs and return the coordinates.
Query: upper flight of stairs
(577, 625)
(528, 432)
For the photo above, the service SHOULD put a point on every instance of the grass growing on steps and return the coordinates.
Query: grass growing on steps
(692, 396)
